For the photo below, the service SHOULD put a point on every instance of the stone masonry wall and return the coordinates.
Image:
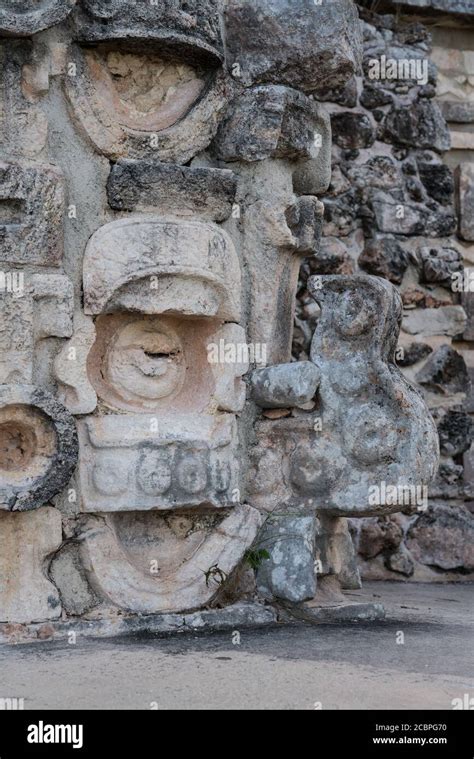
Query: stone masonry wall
(400, 205)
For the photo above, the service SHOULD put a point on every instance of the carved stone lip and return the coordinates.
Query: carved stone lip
(39, 447)
(24, 22)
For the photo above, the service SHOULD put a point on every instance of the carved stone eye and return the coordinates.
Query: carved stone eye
(355, 315)
(191, 473)
(109, 476)
(143, 362)
(154, 472)
(370, 434)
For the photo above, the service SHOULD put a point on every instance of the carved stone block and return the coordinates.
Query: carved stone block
(179, 190)
(31, 210)
(372, 434)
(312, 47)
(156, 266)
(181, 567)
(38, 447)
(131, 463)
(20, 21)
(171, 121)
(26, 540)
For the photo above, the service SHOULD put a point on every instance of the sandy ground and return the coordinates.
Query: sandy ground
(361, 666)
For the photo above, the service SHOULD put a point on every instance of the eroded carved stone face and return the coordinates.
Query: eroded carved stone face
(371, 426)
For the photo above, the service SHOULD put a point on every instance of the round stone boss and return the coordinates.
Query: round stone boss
(38, 447)
(21, 19)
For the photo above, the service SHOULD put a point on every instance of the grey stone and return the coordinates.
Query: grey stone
(459, 112)
(68, 575)
(465, 184)
(446, 320)
(314, 48)
(272, 122)
(439, 265)
(413, 353)
(420, 126)
(284, 385)
(443, 538)
(438, 180)
(243, 615)
(400, 561)
(289, 573)
(402, 217)
(18, 21)
(357, 437)
(197, 25)
(445, 372)
(352, 130)
(31, 214)
(379, 535)
(23, 125)
(456, 432)
(463, 7)
(467, 301)
(142, 185)
(305, 220)
(39, 446)
(384, 257)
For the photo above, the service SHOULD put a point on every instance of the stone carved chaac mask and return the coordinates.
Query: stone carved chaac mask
(192, 176)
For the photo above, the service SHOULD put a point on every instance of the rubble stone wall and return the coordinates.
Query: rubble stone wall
(400, 206)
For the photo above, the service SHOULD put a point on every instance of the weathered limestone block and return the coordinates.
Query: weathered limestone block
(229, 391)
(446, 320)
(26, 540)
(313, 48)
(171, 123)
(335, 552)
(165, 462)
(38, 446)
(23, 125)
(75, 390)
(465, 183)
(288, 574)
(272, 122)
(372, 428)
(449, 6)
(284, 385)
(32, 307)
(152, 265)
(164, 574)
(177, 190)
(167, 363)
(20, 21)
(195, 24)
(69, 577)
(31, 211)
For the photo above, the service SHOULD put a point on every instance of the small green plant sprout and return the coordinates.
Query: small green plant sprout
(256, 556)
